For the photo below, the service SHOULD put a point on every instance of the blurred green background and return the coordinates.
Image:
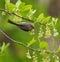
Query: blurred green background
(15, 52)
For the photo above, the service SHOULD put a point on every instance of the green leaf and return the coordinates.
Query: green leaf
(47, 19)
(27, 7)
(11, 7)
(31, 13)
(31, 42)
(4, 46)
(24, 9)
(54, 20)
(40, 17)
(21, 6)
(18, 3)
(43, 45)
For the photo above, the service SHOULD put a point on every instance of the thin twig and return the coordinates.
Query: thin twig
(5, 11)
(16, 15)
(20, 16)
(17, 41)
(20, 43)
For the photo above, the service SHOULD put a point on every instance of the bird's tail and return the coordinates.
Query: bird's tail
(11, 22)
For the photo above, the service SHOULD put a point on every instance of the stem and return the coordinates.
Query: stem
(20, 43)
(20, 16)
(17, 41)
(16, 15)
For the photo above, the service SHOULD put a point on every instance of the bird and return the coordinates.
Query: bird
(23, 25)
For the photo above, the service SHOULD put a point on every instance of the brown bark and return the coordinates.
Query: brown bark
(54, 8)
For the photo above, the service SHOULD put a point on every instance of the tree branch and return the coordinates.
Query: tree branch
(18, 42)
(16, 15)
(20, 16)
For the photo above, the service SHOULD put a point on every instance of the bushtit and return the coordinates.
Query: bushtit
(23, 25)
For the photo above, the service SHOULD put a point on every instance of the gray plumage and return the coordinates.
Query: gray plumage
(23, 25)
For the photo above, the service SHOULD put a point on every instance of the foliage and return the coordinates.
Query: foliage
(3, 48)
(44, 28)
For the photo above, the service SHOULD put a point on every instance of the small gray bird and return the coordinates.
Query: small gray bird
(23, 25)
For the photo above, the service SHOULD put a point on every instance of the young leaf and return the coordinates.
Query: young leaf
(31, 42)
(24, 7)
(3, 47)
(31, 13)
(18, 3)
(27, 7)
(11, 7)
(43, 45)
(28, 55)
(47, 19)
(40, 17)
(54, 20)
(21, 6)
